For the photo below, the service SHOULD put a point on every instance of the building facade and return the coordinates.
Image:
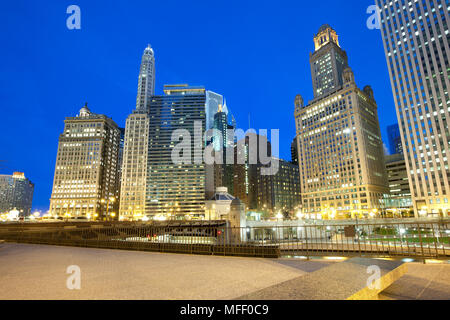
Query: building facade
(223, 135)
(176, 189)
(294, 151)
(146, 84)
(340, 149)
(399, 199)
(279, 192)
(416, 41)
(247, 159)
(16, 193)
(86, 181)
(328, 62)
(134, 166)
(395, 139)
(135, 149)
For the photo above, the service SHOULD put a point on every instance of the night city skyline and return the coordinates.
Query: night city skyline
(224, 159)
(257, 57)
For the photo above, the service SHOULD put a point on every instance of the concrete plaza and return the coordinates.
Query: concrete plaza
(39, 272)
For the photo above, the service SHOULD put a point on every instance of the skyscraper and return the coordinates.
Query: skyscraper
(213, 101)
(395, 139)
(279, 192)
(146, 85)
(294, 151)
(176, 190)
(86, 182)
(341, 156)
(328, 62)
(16, 192)
(135, 151)
(416, 41)
(400, 194)
(134, 165)
(247, 161)
(223, 142)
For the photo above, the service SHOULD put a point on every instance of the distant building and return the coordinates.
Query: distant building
(341, 156)
(395, 140)
(146, 85)
(220, 207)
(121, 147)
(294, 151)
(134, 165)
(400, 193)
(223, 142)
(133, 177)
(247, 161)
(16, 192)
(86, 182)
(279, 192)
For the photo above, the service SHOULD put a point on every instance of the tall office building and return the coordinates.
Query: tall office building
(328, 62)
(142, 136)
(223, 142)
(146, 85)
(176, 190)
(279, 192)
(341, 155)
(213, 102)
(86, 182)
(247, 161)
(294, 151)
(16, 193)
(121, 147)
(400, 194)
(416, 41)
(395, 139)
(134, 165)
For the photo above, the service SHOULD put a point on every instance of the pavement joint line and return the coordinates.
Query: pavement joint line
(428, 284)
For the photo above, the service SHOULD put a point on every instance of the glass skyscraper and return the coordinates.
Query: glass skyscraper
(395, 139)
(176, 191)
(16, 192)
(416, 41)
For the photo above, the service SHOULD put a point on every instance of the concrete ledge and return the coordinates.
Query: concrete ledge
(341, 281)
(270, 252)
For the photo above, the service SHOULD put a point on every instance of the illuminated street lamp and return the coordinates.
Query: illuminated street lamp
(107, 201)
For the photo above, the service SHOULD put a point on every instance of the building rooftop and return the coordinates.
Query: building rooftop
(324, 28)
(182, 89)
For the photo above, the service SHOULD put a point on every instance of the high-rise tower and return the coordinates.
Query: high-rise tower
(16, 192)
(328, 62)
(416, 40)
(146, 85)
(176, 190)
(135, 151)
(340, 150)
(86, 182)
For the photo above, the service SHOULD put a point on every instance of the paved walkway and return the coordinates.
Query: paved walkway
(422, 282)
(39, 272)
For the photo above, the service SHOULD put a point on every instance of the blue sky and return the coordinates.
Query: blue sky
(255, 53)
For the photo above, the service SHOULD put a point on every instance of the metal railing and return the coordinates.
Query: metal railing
(405, 239)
